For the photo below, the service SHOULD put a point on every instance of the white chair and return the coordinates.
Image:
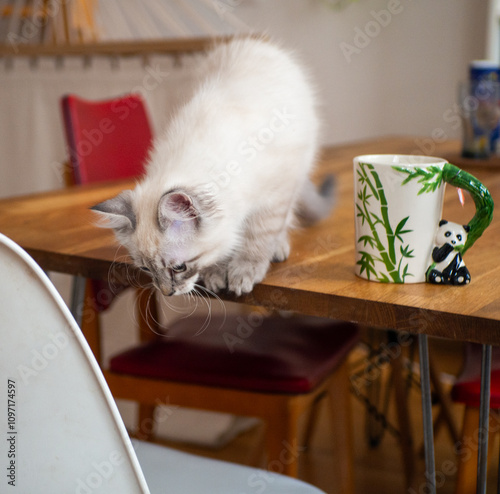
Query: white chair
(64, 432)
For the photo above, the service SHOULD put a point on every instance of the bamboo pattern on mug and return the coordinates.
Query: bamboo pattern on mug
(372, 189)
(431, 177)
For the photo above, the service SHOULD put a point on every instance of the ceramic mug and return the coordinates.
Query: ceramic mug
(400, 234)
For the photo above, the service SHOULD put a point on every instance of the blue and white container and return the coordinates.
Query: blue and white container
(480, 106)
(484, 70)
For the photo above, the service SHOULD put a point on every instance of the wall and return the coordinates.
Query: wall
(380, 66)
(380, 72)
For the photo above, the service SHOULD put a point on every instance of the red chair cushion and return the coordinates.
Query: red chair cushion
(467, 388)
(278, 355)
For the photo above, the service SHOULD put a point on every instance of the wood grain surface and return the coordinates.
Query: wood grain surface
(58, 230)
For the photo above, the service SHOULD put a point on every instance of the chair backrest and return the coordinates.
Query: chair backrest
(64, 432)
(107, 140)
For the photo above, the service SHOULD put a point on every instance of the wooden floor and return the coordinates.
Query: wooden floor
(378, 469)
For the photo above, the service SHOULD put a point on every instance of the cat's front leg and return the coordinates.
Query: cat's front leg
(244, 273)
(265, 239)
(282, 248)
(215, 277)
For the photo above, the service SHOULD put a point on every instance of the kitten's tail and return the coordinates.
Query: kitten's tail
(315, 203)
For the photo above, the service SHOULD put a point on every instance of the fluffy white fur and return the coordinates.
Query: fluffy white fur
(226, 180)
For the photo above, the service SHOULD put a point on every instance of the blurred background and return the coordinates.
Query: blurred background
(380, 66)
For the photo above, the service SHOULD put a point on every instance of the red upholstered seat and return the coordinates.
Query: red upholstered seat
(468, 385)
(279, 355)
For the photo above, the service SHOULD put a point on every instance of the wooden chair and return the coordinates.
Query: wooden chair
(467, 390)
(280, 371)
(65, 432)
(276, 369)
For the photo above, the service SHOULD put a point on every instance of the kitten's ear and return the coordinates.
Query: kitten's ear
(177, 208)
(117, 212)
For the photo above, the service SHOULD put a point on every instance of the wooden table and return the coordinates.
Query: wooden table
(58, 230)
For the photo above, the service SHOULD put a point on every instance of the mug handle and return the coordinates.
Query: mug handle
(481, 196)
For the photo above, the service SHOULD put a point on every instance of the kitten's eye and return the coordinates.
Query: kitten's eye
(145, 269)
(179, 268)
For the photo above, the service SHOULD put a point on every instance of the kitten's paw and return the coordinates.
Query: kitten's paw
(243, 275)
(215, 279)
(282, 251)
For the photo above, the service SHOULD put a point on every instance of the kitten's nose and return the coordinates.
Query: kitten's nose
(164, 288)
(167, 291)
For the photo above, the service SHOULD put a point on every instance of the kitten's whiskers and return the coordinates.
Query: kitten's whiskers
(206, 295)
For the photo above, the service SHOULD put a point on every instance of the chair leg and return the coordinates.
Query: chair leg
(257, 456)
(282, 441)
(340, 402)
(445, 402)
(467, 455)
(312, 420)
(147, 314)
(146, 422)
(90, 322)
(467, 450)
(403, 413)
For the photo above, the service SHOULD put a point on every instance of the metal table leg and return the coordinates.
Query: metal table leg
(425, 384)
(484, 411)
(77, 295)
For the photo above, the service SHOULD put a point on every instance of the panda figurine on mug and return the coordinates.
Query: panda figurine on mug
(447, 266)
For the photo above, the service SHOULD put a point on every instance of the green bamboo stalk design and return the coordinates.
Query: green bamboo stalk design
(481, 196)
(431, 179)
(368, 177)
(384, 209)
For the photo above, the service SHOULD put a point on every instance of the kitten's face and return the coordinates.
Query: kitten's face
(173, 271)
(165, 239)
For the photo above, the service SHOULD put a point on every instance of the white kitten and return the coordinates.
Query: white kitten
(227, 179)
